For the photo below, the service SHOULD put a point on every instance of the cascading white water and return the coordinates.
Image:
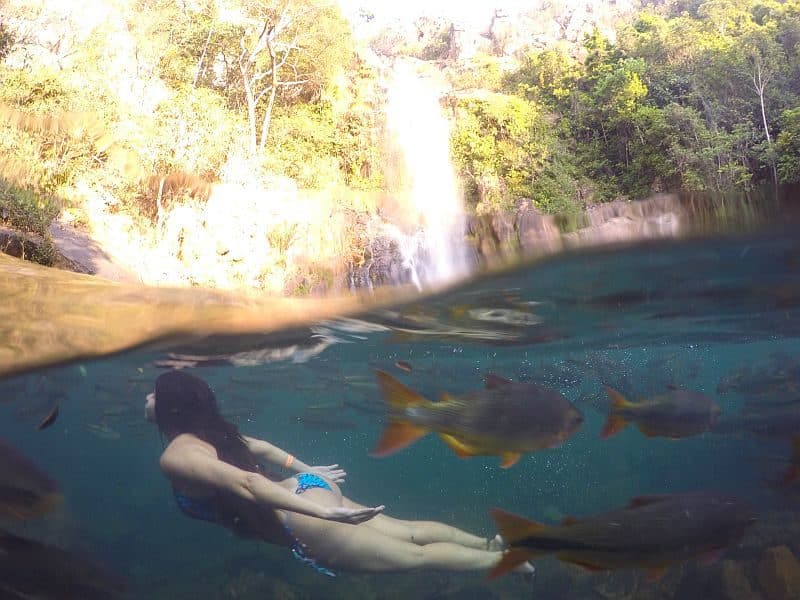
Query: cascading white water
(432, 241)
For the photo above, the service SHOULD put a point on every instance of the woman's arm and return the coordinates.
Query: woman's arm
(195, 463)
(272, 454)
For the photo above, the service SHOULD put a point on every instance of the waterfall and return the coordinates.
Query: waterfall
(430, 231)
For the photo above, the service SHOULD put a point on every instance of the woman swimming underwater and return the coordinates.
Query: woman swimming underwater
(216, 476)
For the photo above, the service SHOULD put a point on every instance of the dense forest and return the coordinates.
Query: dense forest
(137, 98)
(694, 96)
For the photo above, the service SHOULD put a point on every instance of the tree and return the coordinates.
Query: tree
(289, 48)
(765, 58)
(788, 146)
(501, 145)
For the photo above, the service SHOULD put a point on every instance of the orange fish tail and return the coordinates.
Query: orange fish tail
(397, 395)
(615, 422)
(509, 459)
(514, 528)
(398, 433)
(396, 436)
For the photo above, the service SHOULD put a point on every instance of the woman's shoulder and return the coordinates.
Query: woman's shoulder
(186, 442)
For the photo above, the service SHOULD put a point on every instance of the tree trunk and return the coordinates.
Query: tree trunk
(271, 102)
(760, 84)
(764, 116)
(202, 57)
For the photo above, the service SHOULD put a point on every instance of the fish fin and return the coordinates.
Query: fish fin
(494, 382)
(513, 528)
(649, 432)
(397, 395)
(711, 557)
(461, 449)
(791, 475)
(396, 436)
(569, 520)
(796, 448)
(655, 574)
(511, 559)
(613, 426)
(645, 500)
(509, 459)
(615, 423)
(588, 566)
(49, 419)
(403, 366)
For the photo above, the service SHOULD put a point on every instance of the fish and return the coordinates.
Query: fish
(102, 431)
(30, 569)
(506, 419)
(792, 474)
(650, 533)
(675, 414)
(26, 491)
(403, 366)
(779, 419)
(49, 419)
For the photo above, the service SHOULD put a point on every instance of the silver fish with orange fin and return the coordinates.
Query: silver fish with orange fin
(651, 533)
(675, 414)
(506, 419)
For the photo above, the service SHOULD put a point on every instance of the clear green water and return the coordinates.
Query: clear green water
(638, 318)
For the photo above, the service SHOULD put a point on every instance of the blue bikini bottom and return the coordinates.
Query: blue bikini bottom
(205, 509)
(307, 481)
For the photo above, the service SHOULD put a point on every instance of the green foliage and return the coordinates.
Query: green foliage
(481, 72)
(39, 90)
(193, 131)
(789, 146)
(686, 99)
(26, 210)
(501, 145)
(51, 146)
(549, 76)
(304, 146)
(7, 41)
(437, 44)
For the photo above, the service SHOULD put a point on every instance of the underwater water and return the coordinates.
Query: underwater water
(718, 315)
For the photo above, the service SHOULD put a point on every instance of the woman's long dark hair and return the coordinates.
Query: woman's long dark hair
(186, 404)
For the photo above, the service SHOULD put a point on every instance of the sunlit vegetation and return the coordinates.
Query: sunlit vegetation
(266, 95)
(689, 95)
(702, 96)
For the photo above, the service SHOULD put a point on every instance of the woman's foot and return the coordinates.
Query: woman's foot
(526, 571)
(495, 544)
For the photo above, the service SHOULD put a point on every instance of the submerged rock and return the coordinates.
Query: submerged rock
(779, 574)
(734, 582)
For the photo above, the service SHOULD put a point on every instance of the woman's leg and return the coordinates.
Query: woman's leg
(422, 532)
(367, 549)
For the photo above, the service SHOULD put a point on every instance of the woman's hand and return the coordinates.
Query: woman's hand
(332, 472)
(354, 516)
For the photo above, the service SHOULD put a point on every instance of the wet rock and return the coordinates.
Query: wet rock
(536, 232)
(734, 583)
(779, 574)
